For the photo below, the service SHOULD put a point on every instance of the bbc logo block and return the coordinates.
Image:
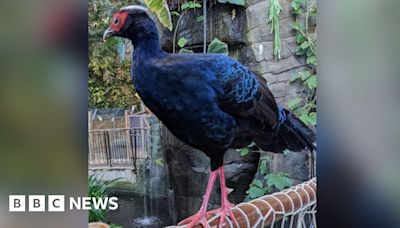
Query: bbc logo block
(36, 203)
(16, 203)
(58, 203)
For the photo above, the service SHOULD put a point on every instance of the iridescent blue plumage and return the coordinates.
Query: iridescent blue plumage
(209, 101)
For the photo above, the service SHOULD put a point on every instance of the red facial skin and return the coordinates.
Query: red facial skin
(118, 20)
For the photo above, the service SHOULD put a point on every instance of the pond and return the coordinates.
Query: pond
(135, 210)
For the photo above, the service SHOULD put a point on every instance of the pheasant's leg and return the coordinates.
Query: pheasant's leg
(201, 215)
(226, 206)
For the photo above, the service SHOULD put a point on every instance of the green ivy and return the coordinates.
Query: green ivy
(305, 105)
(265, 183)
(273, 18)
(216, 46)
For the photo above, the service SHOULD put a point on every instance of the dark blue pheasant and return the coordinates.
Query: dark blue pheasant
(209, 101)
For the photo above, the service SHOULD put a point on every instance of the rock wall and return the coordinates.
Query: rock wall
(188, 171)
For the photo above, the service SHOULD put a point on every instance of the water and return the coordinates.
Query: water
(147, 222)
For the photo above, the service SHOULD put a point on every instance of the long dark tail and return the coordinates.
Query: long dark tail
(292, 134)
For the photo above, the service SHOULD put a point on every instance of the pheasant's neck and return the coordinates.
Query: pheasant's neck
(147, 48)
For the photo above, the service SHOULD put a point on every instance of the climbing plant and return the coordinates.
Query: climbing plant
(216, 46)
(273, 18)
(266, 182)
(305, 105)
(184, 8)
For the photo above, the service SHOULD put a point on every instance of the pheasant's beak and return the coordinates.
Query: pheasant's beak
(108, 33)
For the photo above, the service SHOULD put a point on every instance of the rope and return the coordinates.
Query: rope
(281, 206)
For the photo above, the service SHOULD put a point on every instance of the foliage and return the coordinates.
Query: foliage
(217, 46)
(185, 7)
(305, 107)
(98, 189)
(161, 9)
(244, 151)
(234, 2)
(273, 18)
(182, 42)
(159, 161)
(266, 183)
(109, 82)
(278, 180)
(190, 5)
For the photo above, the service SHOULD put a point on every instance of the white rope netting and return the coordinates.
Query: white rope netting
(293, 207)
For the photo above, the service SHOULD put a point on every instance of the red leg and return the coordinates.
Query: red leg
(226, 206)
(201, 215)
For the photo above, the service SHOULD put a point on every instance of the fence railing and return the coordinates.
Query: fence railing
(119, 147)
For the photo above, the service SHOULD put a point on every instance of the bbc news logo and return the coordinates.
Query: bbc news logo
(57, 203)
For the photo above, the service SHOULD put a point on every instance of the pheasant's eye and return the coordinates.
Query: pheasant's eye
(116, 20)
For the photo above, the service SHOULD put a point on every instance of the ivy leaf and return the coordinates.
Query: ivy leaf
(313, 11)
(311, 82)
(184, 50)
(296, 7)
(263, 167)
(200, 18)
(297, 26)
(235, 2)
(295, 77)
(312, 118)
(300, 38)
(175, 13)
(161, 9)
(309, 52)
(255, 192)
(286, 152)
(312, 60)
(305, 74)
(257, 183)
(217, 46)
(159, 161)
(190, 5)
(305, 45)
(292, 104)
(300, 51)
(279, 181)
(244, 151)
(182, 42)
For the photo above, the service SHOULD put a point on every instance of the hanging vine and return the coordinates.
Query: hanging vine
(273, 18)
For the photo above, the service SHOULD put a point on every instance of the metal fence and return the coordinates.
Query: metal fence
(120, 147)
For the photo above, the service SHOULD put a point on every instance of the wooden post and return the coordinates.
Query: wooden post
(89, 120)
(129, 150)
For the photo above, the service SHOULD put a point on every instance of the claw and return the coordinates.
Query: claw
(223, 213)
(199, 217)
